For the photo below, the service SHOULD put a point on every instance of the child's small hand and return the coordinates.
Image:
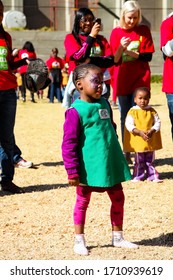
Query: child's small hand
(150, 132)
(74, 181)
(144, 135)
(141, 133)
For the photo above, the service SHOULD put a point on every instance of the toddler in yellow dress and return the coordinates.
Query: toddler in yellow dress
(142, 136)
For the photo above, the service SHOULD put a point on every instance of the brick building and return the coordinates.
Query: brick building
(59, 14)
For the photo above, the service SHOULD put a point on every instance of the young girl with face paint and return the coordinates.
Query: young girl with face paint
(92, 155)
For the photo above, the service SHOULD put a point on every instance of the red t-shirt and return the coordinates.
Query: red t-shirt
(23, 54)
(55, 62)
(72, 47)
(166, 34)
(130, 73)
(7, 77)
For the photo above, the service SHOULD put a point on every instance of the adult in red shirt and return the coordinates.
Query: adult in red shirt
(85, 45)
(27, 51)
(8, 102)
(166, 45)
(132, 46)
(55, 65)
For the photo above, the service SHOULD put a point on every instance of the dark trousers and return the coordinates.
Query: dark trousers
(55, 90)
(7, 121)
(23, 87)
(125, 102)
(17, 154)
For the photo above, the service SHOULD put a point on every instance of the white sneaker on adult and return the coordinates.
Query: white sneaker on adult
(122, 243)
(24, 164)
(80, 247)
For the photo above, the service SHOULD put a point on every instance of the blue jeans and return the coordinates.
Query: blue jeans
(55, 90)
(169, 97)
(7, 120)
(125, 102)
(76, 95)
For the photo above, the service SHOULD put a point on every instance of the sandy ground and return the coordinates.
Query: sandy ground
(38, 224)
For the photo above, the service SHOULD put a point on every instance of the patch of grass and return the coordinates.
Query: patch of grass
(156, 79)
(14, 28)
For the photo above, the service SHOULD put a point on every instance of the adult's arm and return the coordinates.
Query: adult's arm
(78, 52)
(81, 51)
(168, 48)
(119, 46)
(166, 37)
(102, 61)
(16, 64)
(145, 57)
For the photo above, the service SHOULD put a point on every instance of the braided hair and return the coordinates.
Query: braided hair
(82, 70)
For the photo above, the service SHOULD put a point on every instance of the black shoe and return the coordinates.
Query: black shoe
(11, 187)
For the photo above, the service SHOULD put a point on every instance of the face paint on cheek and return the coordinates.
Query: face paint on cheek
(96, 81)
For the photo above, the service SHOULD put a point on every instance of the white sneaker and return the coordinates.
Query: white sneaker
(80, 247)
(122, 243)
(135, 180)
(24, 164)
(157, 180)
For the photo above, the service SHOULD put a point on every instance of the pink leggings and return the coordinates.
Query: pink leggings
(116, 196)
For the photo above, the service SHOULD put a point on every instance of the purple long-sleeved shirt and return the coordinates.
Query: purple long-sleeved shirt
(72, 128)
